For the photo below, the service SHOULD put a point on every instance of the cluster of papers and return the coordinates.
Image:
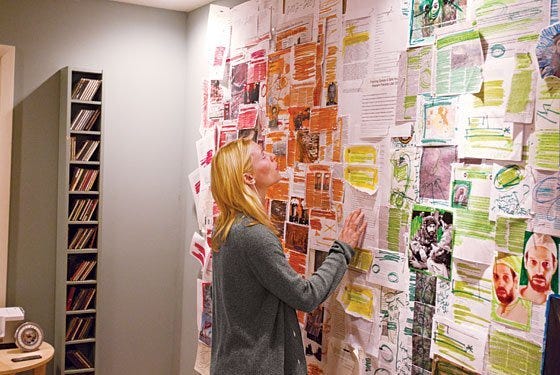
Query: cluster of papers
(440, 120)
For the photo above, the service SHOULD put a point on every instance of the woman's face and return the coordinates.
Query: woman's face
(265, 168)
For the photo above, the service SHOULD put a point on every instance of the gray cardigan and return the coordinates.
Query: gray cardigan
(255, 293)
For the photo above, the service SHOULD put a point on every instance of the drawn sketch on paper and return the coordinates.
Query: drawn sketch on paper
(404, 166)
(437, 119)
(511, 191)
(435, 172)
(431, 241)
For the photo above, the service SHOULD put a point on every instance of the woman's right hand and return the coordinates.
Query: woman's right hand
(354, 228)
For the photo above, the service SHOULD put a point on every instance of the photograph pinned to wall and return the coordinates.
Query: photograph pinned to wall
(318, 181)
(313, 340)
(300, 117)
(227, 132)
(551, 359)
(431, 241)
(251, 93)
(278, 215)
(539, 273)
(296, 237)
(298, 212)
(435, 172)
(508, 307)
(217, 96)
(205, 332)
(460, 193)
(427, 15)
(277, 144)
(252, 134)
(332, 94)
(237, 84)
(548, 51)
(278, 80)
(320, 257)
(307, 146)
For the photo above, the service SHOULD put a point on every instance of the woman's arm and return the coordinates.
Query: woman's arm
(268, 263)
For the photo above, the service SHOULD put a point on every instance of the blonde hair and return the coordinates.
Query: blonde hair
(232, 195)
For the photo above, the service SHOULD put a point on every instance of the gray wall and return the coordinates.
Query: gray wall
(149, 139)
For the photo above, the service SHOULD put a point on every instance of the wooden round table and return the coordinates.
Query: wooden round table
(39, 366)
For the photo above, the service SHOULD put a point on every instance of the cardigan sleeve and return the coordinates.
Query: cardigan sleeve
(266, 260)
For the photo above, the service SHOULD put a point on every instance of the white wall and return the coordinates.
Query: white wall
(144, 57)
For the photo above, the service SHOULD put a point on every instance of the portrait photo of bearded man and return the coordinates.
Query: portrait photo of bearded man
(540, 265)
(507, 305)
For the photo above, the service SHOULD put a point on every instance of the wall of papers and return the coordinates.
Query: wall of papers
(440, 120)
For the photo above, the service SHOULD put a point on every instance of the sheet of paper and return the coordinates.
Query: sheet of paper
(471, 186)
(217, 40)
(435, 173)
(504, 28)
(521, 97)
(205, 152)
(483, 131)
(544, 150)
(323, 229)
(415, 77)
(472, 293)
(202, 362)
(356, 49)
(404, 163)
(474, 236)
(389, 269)
(342, 359)
(444, 299)
(295, 30)
(379, 99)
(512, 354)
(389, 38)
(361, 261)
(395, 345)
(362, 333)
(511, 191)
(546, 202)
(465, 346)
(459, 59)
(393, 228)
(358, 300)
(510, 234)
(354, 199)
(244, 21)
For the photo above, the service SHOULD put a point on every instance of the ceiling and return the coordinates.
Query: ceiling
(181, 5)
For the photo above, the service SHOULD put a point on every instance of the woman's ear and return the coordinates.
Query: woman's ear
(249, 180)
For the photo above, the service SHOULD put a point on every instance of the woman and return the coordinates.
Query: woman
(255, 291)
